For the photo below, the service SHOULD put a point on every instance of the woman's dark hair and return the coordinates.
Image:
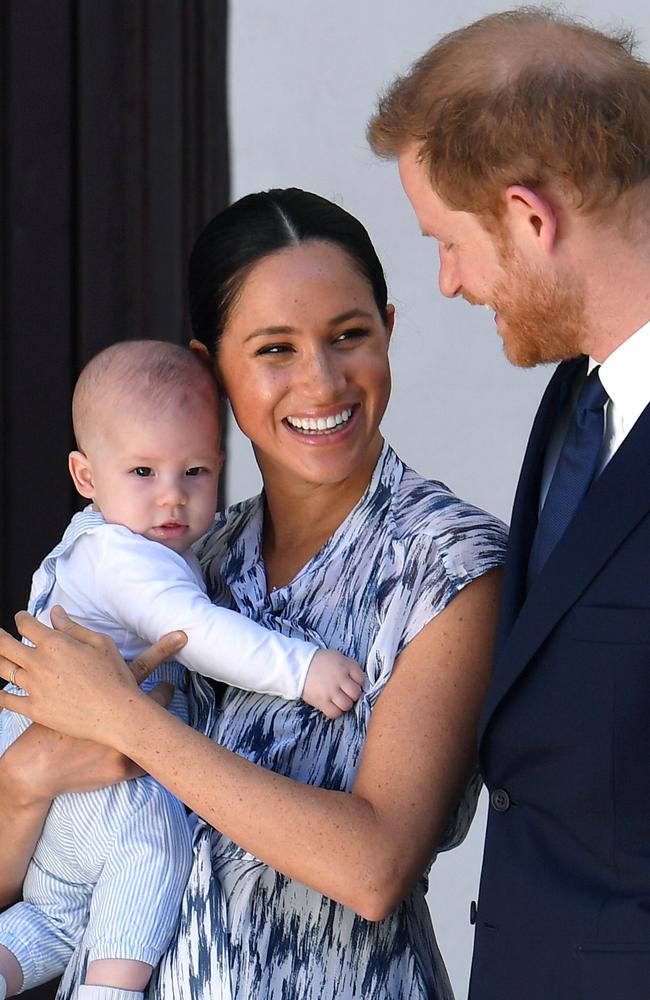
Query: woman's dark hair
(255, 227)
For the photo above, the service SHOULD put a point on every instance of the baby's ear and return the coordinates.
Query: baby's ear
(198, 347)
(82, 474)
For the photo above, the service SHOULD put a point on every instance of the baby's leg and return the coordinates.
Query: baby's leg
(39, 934)
(11, 974)
(136, 901)
(115, 979)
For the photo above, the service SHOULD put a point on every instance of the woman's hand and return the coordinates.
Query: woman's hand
(75, 679)
(42, 763)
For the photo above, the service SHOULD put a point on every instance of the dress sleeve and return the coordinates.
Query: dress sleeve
(150, 589)
(437, 566)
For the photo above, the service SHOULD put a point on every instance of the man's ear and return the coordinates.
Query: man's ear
(531, 217)
(82, 474)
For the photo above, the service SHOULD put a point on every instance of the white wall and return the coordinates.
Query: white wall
(303, 78)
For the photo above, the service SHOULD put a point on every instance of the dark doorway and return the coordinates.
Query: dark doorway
(115, 154)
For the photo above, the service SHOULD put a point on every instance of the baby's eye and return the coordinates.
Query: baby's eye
(142, 470)
(196, 470)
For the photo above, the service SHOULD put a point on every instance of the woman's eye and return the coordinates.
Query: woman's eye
(274, 349)
(357, 333)
(196, 470)
(142, 470)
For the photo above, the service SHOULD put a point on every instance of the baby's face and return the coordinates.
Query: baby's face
(157, 474)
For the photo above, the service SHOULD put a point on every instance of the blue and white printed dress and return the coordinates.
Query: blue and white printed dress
(247, 932)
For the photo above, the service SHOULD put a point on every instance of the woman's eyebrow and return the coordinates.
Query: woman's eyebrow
(274, 331)
(350, 314)
(269, 331)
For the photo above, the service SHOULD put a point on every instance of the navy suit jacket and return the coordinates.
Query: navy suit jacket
(564, 904)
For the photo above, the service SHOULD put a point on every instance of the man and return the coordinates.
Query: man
(523, 143)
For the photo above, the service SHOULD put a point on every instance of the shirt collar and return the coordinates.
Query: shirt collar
(625, 376)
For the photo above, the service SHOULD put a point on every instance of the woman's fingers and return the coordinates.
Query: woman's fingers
(74, 678)
(165, 649)
(14, 702)
(162, 693)
(12, 653)
(63, 624)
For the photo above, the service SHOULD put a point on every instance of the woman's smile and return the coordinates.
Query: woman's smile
(304, 361)
(321, 425)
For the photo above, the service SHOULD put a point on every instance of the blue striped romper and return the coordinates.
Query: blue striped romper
(111, 864)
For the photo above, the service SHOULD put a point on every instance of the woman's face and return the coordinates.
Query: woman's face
(304, 362)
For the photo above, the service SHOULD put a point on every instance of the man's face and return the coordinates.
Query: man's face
(538, 312)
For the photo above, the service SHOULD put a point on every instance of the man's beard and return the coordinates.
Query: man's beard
(542, 317)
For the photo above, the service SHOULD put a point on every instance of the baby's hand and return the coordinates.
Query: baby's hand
(333, 683)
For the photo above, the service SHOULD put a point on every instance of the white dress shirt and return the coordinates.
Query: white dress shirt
(625, 376)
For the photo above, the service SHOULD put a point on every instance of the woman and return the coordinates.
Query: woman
(315, 836)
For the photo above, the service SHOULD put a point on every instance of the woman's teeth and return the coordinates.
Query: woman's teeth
(316, 425)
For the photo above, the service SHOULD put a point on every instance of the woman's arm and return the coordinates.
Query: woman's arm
(366, 848)
(42, 764)
(22, 810)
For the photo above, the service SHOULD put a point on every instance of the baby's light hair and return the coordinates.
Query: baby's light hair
(151, 375)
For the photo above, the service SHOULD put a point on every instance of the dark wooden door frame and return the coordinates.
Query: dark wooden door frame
(115, 146)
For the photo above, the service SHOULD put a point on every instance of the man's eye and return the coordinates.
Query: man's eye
(196, 470)
(142, 470)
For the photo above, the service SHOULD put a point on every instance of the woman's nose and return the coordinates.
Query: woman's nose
(448, 279)
(323, 374)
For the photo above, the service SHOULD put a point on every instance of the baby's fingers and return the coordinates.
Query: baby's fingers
(342, 701)
(351, 688)
(356, 673)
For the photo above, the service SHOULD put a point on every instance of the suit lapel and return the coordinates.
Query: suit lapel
(526, 502)
(615, 504)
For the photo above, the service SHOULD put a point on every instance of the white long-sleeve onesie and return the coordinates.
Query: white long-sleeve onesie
(135, 590)
(116, 860)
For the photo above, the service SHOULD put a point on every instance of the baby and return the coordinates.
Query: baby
(112, 864)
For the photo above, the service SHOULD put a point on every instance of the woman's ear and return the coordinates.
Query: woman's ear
(390, 318)
(531, 216)
(199, 348)
(82, 474)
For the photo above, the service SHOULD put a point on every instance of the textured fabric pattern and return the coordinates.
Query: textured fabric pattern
(247, 931)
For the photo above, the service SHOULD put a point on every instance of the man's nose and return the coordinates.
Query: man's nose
(448, 279)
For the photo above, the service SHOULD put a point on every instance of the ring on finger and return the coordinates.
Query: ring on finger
(12, 676)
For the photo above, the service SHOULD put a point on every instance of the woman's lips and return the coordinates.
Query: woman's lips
(324, 426)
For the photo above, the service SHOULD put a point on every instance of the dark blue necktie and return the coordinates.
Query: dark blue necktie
(574, 472)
